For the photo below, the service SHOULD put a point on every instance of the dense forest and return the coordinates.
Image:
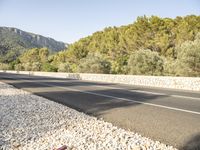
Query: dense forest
(149, 46)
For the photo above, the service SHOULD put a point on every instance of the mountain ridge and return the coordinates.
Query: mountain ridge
(14, 41)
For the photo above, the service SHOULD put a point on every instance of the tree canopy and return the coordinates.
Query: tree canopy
(149, 46)
(117, 44)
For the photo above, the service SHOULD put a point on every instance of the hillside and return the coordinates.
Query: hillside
(14, 42)
(150, 46)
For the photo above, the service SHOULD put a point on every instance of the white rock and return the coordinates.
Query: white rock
(32, 122)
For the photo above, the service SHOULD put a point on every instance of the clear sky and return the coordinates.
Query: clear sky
(70, 20)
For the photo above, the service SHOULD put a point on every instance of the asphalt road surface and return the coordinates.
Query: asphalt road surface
(166, 115)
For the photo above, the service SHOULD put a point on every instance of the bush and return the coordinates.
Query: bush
(188, 58)
(94, 63)
(4, 66)
(118, 66)
(64, 67)
(169, 67)
(19, 67)
(145, 62)
(48, 67)
(27, 66)
(36, 66)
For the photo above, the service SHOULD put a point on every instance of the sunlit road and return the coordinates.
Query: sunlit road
(169, 116)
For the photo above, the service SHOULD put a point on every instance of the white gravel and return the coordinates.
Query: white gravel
(31, 122)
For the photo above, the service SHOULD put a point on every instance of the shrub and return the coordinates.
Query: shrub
(64, 67)
(145, 62)
(27, 66)
(94, 63)
(4, 66)
(19, 67)
(36, 66)
(48, 67)
(188, 58)
(169, 67)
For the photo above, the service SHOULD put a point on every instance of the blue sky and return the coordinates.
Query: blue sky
(70, 20)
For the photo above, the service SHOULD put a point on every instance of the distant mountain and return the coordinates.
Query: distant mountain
(14, 41)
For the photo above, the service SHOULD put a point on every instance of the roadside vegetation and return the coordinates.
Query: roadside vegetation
(149, 46)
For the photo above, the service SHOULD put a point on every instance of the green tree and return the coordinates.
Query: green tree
(169, 67)
(4, 66)
(43, 55)
(33, 59)
(27, 66)
(122, 50)
(64, 67)
(145, 62)
(36, 66)
(30, 56)
(188, 58)
(94, 63)
(19, 67)
(48, 67)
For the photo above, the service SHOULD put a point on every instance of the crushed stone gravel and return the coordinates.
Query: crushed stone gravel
(30, 122)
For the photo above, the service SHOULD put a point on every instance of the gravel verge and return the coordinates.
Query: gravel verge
(30, 122)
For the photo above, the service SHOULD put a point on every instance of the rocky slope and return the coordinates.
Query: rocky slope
(14, 41)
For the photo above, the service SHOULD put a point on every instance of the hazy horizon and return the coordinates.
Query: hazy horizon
(72, 20)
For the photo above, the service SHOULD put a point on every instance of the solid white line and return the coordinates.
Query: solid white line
(137, 91)
(186, 97)
(124, 99)
(108, 87)
(147, 92)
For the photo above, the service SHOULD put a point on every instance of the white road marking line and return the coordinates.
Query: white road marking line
(138, 91)
(108, 87)
(186, 97)
(129, 100)
(147, 92)
(124, 99)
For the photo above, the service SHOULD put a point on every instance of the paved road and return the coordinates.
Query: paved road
(170, 116)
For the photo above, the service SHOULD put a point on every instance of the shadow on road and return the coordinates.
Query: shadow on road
(156, 120)
(192, 144)
(82, 101)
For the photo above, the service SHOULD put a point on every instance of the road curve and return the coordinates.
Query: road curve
(166, 115)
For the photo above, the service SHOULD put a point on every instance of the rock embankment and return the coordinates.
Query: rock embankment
(31, 122)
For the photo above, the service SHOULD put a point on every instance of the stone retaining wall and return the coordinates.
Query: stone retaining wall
(184, 83)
